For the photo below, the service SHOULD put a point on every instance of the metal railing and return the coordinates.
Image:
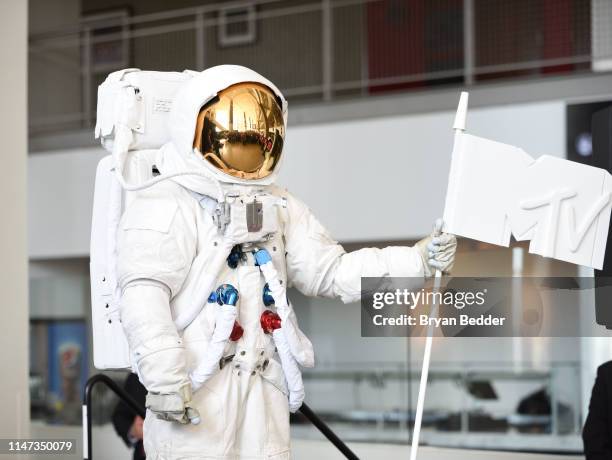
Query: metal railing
(316, 50)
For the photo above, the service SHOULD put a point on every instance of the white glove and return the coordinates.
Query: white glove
(173, 407)
(437, 250)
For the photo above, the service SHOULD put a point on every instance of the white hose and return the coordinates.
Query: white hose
(291, 369)
(209, 364)
(301, 348)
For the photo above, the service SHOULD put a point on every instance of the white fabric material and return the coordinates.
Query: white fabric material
(292, 372)
(157, 237)
(235, 232)
(224, 323)
(391, 261)
(157, 349)
(207, 280)
(177, 248)
(250, 419)
(173, 161)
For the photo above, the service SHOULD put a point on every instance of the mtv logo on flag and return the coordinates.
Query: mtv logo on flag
(496, 190)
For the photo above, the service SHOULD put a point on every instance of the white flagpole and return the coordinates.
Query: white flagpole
(424, 373)
(459, 127)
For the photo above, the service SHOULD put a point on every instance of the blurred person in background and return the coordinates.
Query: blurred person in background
(597, 432)
(127, 424)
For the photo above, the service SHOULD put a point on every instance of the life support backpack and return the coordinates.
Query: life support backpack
(132, 123)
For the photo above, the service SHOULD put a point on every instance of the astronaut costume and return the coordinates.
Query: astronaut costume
(203, 264)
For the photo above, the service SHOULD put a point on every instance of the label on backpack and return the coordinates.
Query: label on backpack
(162, 105)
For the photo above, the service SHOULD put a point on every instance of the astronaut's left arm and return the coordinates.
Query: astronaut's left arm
(319, 266)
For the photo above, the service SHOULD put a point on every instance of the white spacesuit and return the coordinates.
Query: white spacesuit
(223, 374)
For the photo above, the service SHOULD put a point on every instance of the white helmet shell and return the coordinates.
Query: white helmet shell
(198, 91)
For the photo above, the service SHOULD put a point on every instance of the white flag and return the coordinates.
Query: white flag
(496, 190)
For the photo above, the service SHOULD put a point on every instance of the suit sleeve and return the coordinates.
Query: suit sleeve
(596, 434)
(156, 246)
(318, 266)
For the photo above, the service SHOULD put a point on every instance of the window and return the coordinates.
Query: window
(237, 25)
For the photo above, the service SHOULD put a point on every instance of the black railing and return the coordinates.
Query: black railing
(139, 410)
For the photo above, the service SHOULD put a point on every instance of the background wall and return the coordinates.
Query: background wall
(60, 197)
(393, 172)
(55, 75)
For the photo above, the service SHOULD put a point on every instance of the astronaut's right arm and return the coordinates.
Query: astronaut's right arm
(156, 246)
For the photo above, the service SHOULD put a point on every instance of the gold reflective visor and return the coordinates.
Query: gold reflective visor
(241, 132)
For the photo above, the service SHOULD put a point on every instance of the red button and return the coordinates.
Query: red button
(237, 332)
(270, 321)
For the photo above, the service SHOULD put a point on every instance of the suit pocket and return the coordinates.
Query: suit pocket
(156, 215)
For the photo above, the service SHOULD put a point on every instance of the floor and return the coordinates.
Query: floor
(107, 446)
